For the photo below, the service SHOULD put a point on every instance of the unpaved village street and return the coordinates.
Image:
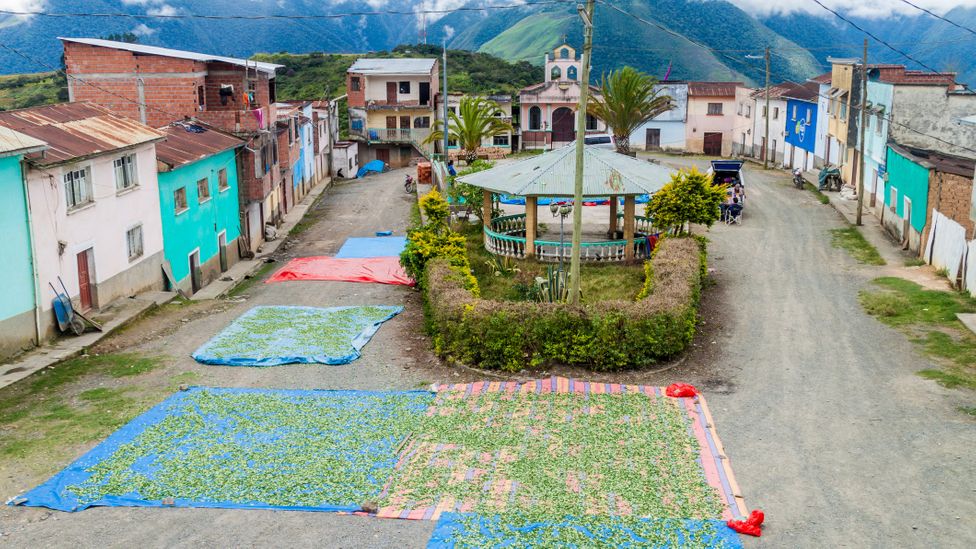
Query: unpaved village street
(829, 429)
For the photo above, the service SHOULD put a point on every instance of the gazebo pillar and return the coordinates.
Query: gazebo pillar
(531, 224)
(486, 207)
(613, 217)
(629, 208)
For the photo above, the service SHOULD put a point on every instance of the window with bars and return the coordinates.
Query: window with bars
(354, 84)
(133, 241)
(222, 183)
(404, 87)
(125, 172)
(179, 200)
(77, 188)
(203, 190)
(500, 141)
(714, 109)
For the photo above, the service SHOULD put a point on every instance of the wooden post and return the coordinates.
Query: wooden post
(486, 208)
(613, 217)
(531, 222)
(629, 207)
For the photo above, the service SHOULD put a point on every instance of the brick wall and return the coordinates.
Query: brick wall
(356, 98)
(951, 194)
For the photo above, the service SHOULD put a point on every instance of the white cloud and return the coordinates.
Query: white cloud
(448, 32)
(23, 6)
(144, 30)
(861, 8)
(164, 9)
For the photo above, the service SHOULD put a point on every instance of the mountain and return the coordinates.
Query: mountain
(800, 42)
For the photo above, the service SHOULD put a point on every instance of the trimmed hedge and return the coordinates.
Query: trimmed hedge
(607, 335)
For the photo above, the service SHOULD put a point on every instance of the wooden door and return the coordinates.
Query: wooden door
(84, 279)
(652, 139)
(424, 93)
(195, 275)
(563, 125)
(391, 124)
(384, 155)
(391, 92)
(404, 127)
(713, 144)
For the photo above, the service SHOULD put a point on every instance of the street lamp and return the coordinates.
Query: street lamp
(562, 211)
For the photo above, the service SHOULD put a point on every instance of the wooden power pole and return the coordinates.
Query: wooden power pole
(574, 264)
(766, 139)
(864, 122)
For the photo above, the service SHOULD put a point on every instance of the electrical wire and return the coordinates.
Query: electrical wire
(937, 16)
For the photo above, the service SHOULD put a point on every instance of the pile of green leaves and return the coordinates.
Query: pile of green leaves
(546, 456)
(690, 197)
(435, 239)
(261, 447)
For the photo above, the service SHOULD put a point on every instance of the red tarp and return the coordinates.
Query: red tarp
(385, 270)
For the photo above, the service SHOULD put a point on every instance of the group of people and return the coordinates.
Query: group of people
(734, 202)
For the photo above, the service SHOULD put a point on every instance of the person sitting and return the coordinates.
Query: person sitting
(733, 210)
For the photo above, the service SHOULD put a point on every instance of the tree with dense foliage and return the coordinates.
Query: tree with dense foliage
(690, 197)
(627, 99)
(476, 119)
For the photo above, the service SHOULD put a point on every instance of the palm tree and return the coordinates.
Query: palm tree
(477, 118)
(627, 99)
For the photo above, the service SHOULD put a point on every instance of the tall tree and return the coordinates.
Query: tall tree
(628, 98)
(477, 118)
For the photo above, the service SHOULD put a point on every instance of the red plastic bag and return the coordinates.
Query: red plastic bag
(679, 390)
(750, 526)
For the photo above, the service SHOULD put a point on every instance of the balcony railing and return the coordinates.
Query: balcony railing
(394, 135)
(506, 237)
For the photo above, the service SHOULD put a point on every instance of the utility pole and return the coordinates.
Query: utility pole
(864, 121)
(574, 265)
(766, 139)
(444, 100)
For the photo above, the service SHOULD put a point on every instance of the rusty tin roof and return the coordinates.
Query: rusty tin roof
(188, 142)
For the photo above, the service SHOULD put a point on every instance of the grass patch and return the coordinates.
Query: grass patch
(929, 318)
(968, 410)
(851, 239)
(914, 262)
(249, 283)
(824, 199)
(45, 415)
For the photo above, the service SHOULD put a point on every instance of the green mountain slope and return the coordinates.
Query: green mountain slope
(524, 40)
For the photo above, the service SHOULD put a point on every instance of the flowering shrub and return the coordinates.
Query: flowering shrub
(435, 239)
(608, 335)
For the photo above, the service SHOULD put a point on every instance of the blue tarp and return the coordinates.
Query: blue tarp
(244, 448)
(470, 530)
(545, 201)
(270, 336)
(383, 246)
(377, 166)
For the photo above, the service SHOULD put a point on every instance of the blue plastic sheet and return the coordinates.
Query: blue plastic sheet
(545, 201)
(470, 530)
(383, 246)
(271, 336)
(253, 448)
(377, 166)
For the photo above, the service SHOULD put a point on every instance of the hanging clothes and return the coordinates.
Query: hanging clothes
(259, 116)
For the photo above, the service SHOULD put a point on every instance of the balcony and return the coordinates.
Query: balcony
(393, 135)
(375, 104)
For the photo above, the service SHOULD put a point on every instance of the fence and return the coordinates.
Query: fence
(948, 249)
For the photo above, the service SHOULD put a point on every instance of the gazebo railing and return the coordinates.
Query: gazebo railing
(506, 237)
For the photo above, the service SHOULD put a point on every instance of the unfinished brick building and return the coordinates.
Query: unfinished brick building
(158, 86)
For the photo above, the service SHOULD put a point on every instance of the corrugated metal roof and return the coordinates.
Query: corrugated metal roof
(411, 65)
(12, 142)
(938, 161)
(605, 173)
(186, 143)
(77, 130)
(824, 78)
(713, 89)
(268, 68)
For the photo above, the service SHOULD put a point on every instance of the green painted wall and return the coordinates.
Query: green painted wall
(911, 180)
(17, 274)
(195, 228)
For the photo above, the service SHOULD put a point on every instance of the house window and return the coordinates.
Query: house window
(354, 84)
(748, 111)
(272, 92)
(843, 109)
(715, 109)
(133, 242)
(555, 74)
(179, 200)
(201, 97)
(794, 113)
(77, 188)
(775, 113)
(405, 87)
(222, 183)
(535, 118)
(591, 122)
(203, 190)
(500, 141)
(764, 112)
(421, 122)
(452, 142)
(571, 73)
(125, 172)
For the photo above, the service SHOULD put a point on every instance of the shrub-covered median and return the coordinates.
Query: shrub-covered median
(605, 335)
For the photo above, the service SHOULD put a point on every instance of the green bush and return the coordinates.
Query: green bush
(435, 239)
(607, 335)
(690, 197)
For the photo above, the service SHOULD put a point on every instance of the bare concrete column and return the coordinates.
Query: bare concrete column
(629, 207)
(531, 223)
(613, 216)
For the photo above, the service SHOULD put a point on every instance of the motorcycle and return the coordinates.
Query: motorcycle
(409, 185)
(798, 180)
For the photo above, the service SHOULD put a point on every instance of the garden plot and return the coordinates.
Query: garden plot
(270, 336)
(244, 448)
(543, 451)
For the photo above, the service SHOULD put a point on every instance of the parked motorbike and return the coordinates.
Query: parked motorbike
(798, 180)
(409, 185)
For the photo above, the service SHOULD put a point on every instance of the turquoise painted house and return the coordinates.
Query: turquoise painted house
(19, 306)
(198, 200)
(906, 196)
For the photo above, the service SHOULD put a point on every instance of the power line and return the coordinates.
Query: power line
(937, 16)
(292, 16)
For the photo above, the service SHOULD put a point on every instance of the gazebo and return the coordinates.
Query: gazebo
(606, 173)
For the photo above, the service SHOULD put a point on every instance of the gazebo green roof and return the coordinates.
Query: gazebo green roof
(605, 172)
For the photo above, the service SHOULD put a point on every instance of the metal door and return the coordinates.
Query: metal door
(424, 93)
(652, 139)
(222, 246)
(195, 274)
(563, 122)
(713, 144)
(84, 279)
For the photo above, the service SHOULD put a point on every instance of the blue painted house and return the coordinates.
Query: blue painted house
(18, 282)
(198, 199)
(801, 125)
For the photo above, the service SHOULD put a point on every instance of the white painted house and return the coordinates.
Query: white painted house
(94, 202)
(776, 147)
(665, 131)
